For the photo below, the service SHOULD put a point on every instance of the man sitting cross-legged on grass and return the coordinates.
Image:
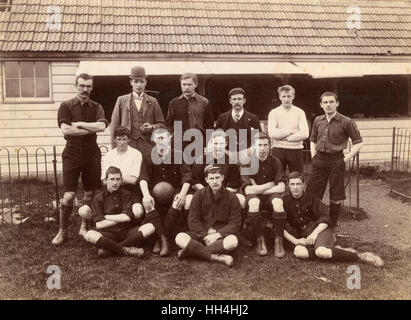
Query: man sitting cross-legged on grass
(308, 227)
(213, 222)
(111, 210)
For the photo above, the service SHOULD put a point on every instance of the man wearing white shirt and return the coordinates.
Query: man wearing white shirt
(130, 162)
(288, 127)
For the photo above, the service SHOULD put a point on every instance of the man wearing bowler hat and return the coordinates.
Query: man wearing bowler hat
(138, 112)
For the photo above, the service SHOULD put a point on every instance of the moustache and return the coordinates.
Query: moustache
(85, 93)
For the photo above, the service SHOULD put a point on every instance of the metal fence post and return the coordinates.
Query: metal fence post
(56, 181)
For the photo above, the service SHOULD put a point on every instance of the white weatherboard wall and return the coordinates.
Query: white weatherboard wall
(34, 125)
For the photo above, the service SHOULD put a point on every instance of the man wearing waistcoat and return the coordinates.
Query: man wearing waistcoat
(138, 112)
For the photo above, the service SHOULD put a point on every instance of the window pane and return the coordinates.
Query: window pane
(42, 88)
(27, 69)
(12, 88)
(27, 87)
(42, 69)
(11, 69)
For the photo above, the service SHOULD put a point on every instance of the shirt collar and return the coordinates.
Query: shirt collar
(233, 113)
(106, 192)
(337, 117)
(218, 195)
(136, 96)
(193, 96)
(86, 103)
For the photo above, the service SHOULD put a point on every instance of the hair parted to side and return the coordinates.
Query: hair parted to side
(286, 88)
(296, 175)
(113, 170)
(84, 76)
(261, 136)
(218, 133)
(189, 75)
(328, 94)
(121, 131)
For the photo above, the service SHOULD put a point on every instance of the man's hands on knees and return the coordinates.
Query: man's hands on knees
(211, 237)
(179, 201)
(312, 238)
(301, 242)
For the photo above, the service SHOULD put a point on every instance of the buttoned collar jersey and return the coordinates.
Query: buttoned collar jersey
(169, 168)
(194, 112)
(268, 170)
(129, 162)
(73, 111)
(111, 203)
(231, 171)
(221, 212)
(304, 214)
(332, 137)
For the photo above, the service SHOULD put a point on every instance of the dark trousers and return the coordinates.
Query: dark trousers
(293, 158)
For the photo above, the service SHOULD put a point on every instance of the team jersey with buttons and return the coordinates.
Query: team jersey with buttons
(167, 169)
(268, 170)
(305, 210)
(332, 136)
(128, 162)
(110, 203)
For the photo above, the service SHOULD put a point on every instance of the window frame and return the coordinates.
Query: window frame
(25, 99)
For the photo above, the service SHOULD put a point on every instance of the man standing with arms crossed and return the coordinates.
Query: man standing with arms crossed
(287, 125)
(329, 138)
(79, 119)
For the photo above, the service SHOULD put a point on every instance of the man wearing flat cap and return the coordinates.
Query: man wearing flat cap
(213, 222)
(138, 112)
(238, 118)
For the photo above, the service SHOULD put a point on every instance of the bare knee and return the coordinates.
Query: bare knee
(138, 210)
(188, 201)
(301, 252)
(93, 236)
(323, 253)
(277, 205)
(68, 197)
(230, 242)
(254, 205)
(241, 199)
(182, 240)
(147, 229)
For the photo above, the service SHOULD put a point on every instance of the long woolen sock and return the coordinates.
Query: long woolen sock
(110, 245)
(198, 250)
(343, 255)
(217, 246)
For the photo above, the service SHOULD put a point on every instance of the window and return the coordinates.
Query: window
(5, 5)
(26, 80)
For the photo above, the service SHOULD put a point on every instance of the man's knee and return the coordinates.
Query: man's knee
(277, 205)
(301, 252)
(188, 201)
(230, 242)
(182, 239)
(68, 197)
(241, 199)
(323, 253)
(85, 212)
(93, 236)
(147, 229)
(254, 205)
(138, 210)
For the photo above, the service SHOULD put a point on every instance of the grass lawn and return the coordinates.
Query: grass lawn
(26, 252)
